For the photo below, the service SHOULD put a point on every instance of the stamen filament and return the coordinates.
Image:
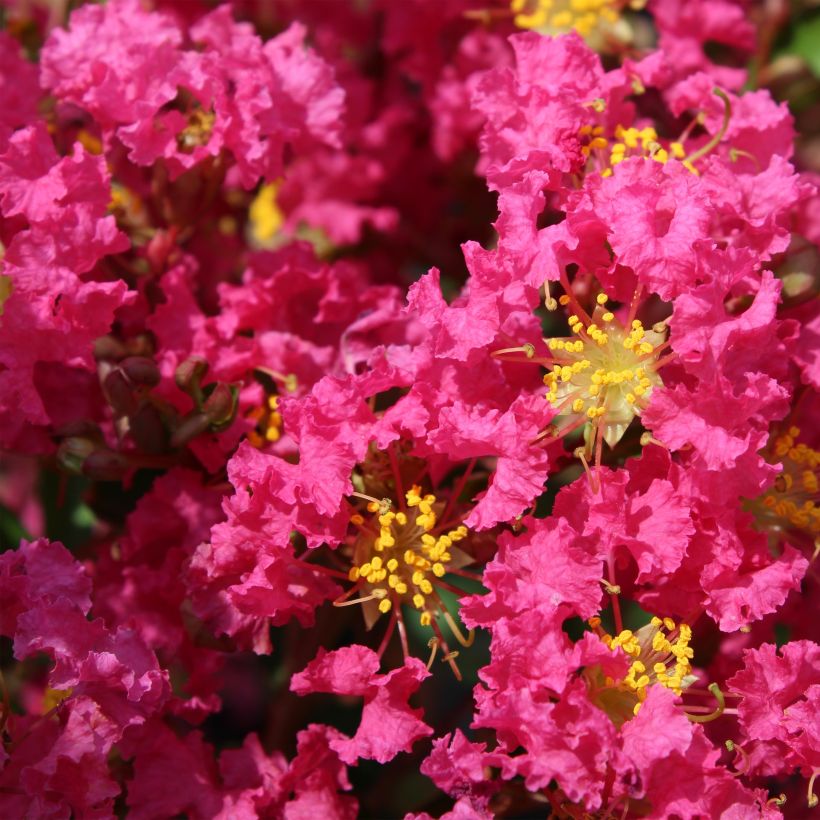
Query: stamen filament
(712, 715)
(319, 568)
(744, 757)
(454, 628)
(402, 627)
(388, 633)
(454, 496)
(616, 603)
(394, 466)
(377, 594)
(812, 797)
(433, 644)
(582, 314)
(715, 141)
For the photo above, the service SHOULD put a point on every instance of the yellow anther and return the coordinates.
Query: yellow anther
(425, 619)
(401, 519)
(353, 574)
(376, 562)
(385, 604)
(401, 588)
(439, 570)
(418, 601)
(669, 623)
(601, 298)
(577, 405)
(426, 587)
(392, 565)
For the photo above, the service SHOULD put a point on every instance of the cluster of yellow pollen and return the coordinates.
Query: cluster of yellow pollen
(558, 16)
(198, 130)
(268, 423)
(792, 503)
(658, 657)
(406, 553)
(264, 215)
(629, 142)
(605, 372)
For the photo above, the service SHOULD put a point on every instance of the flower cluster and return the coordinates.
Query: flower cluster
(423, 383)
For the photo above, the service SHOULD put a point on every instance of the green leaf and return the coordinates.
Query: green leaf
(806, 43)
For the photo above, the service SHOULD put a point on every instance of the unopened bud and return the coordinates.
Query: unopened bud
(141, 370)
(72, 453)
(105, 465)
(220, 406)
(120, 393)
(107, 348)
(148, 430)
(191, 427)
(189, 375)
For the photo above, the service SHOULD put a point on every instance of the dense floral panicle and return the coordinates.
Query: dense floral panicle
(654, 525)
(780, 692)
(457, 767)
(114, 60)
(184, 105)
(656, 217)
(669, 753)
(740, 364)
(685, 29)
(141, 583)
(102, 683)
(243, 782)
(388, 725)
(64, 201)
(19, 89)
(535, 111)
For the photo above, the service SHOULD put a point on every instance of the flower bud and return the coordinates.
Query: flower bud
(191, 427)
(141, 370)
(105, 465)
(220, 406)
(189, 375)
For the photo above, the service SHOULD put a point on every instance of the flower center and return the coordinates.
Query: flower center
(401, 563)
(791, 503)
(198, 130)
(560, 16)
(604, 374)
(268, 423)
(629, 142)
(660, 654)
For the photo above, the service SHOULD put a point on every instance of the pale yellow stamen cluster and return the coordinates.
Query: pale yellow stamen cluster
(629, 142)
(406, 553)
(658, 657)
(793, 498)
(269, 423)
(556, 16)
(606, 373)
(198, 130)
(265, 216)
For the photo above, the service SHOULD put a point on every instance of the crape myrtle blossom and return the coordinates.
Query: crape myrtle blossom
(433, 409)
(128, 69)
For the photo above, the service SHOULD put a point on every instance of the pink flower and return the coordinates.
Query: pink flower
(780, 693)
(19, 89)
(388, 725)
(65, 203)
